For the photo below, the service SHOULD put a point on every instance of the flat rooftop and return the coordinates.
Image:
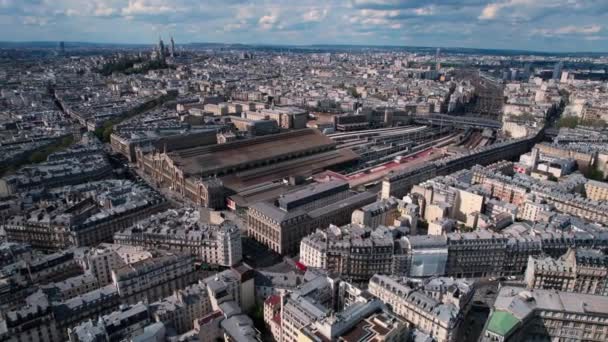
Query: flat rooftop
(520, 302)
(208, 160)
(595, 183)
(264, 191)
(303, 166)
(334, 186)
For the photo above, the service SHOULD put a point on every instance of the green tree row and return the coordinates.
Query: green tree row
(126, 66)
(104, 132)
(39, 155)
(573, 121)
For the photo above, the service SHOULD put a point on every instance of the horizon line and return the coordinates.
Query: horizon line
(309, 45)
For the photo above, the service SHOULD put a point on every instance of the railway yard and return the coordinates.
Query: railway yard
(384, 150)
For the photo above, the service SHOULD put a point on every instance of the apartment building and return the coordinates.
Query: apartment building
(504, 191)
(576, 205)
(185, 230)
(353, 251)
(103, 259)
(254, 127)
(207, 309)
(182, 308)
(357, 252)
(380, 213)
(281, 225)
(450, 197)
(269, 283)
(495, 208)
(90, 305)
(71, 287)
(116, 326)
(480, 252)
(535, 210)
(81, 162)
(91, 215)
(324, 308)
(230, 294)
(217, 108)
(378, 325)
(400, 183)
(43, 318)
(563, 196)
(11, 252)
(579, 270)
(154, 278)
(235, 284)
(43, 269)
(32, 322)
(597, 191)
(272, 315)
(584, 155)
(287, 117)
(22, 278)
(436, 307)
(56, 174)
(520, 314)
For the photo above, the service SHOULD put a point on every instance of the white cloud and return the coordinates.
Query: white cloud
(526, 9)
(425, 10)
(594, 38)
(103, 11)
(269, 21)
(35, 21)
(589, 30)
(490, 12)
(380, 13)
(314, 15)
(235, 26)
(147, 7)
(378, 3)
(492, 23)
(571, 29)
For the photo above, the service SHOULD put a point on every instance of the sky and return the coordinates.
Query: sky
(539, 25)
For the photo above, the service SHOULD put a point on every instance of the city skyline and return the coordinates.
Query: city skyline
(557, 26)
(282, 171)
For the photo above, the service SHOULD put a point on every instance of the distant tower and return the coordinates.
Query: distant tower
(161, 48)
(557, 70)
(437, 64)
(527, 70)
(172, 47)
(62, 48)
